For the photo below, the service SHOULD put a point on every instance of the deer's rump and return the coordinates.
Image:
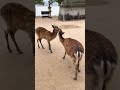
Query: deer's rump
(70, 46)
(98, 48)
(100, 61)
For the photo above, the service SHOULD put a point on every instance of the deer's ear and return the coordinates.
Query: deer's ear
(53, 26)
(63, 32)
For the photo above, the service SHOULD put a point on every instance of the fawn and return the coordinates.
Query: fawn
(72, 47)
(43, 33)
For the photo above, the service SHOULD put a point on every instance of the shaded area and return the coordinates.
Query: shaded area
(98, 19)
(17, 71)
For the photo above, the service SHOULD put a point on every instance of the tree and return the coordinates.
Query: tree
(52, 1)
(49, 7)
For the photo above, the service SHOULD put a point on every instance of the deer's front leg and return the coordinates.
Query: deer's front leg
(8, 46)
(13, 38)
(50, 47)
(64, 55)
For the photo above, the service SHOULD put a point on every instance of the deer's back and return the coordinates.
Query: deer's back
(72, 46)
(17, 16)
(43, 33)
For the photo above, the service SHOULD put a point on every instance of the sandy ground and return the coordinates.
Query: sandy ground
(51, 71)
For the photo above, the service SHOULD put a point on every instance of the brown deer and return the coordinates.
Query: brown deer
(72, 47)
(43, 33)
(18, 17)
(100, 61)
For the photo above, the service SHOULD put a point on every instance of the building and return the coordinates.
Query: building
(72, 10)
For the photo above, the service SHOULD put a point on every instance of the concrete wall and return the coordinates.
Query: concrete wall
(71, 13)
(72, 9)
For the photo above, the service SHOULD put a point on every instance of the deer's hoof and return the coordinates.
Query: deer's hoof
(38, 46)
(51, 52)
(78, 70)
(63, 57)
(75, 78)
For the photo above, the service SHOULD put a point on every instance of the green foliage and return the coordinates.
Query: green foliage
(39, 2)
(59, 1)
(51, 1)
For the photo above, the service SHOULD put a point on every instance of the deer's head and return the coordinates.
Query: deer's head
(57, 29)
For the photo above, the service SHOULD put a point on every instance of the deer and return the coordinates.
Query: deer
(43, 33)
(17, 17)
(100, 61)
(71, 47)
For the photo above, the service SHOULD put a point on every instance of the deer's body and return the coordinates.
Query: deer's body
(72, 47)
(43, 33)
(18, 17)
(100, 61)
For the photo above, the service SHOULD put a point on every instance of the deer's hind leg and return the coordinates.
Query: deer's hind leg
(38, 43)
(64, 55)
(108, 76)
(41, 43)
(74, 59)
(79, 59)
(76, 66)
(39, 40)
(8, 46)
(12, 34)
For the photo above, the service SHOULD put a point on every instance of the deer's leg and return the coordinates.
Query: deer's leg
(50, 46)
(76, 72)
(41, 43)
(64, 55)
(79, 59)
(13, 38)
(106, 82)
(108, 76)
(76, 66)
(74, 59)
(38, 43)
(8, 46)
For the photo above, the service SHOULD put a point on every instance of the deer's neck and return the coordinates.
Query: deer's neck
(54, 34)
(61, 38)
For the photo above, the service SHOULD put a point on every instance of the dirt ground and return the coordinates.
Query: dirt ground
(51, 71)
